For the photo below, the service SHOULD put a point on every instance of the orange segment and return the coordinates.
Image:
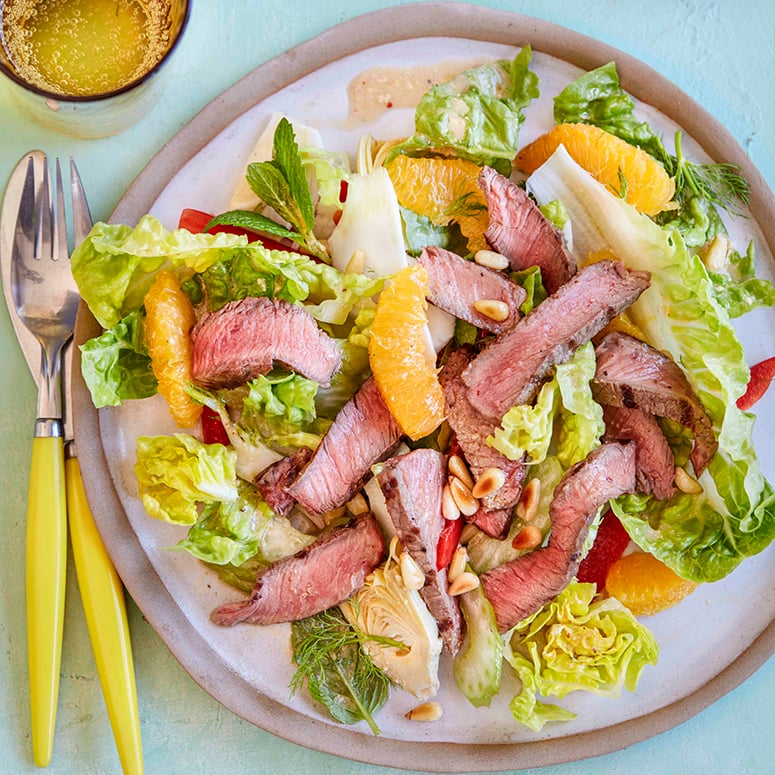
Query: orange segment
(444, 190)
(397, 354)
(169, 320)
(645, 584)
(608, 159)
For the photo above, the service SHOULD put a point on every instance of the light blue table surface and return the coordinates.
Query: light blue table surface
(721, 53)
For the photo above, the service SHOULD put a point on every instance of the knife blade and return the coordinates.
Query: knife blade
(102, 592)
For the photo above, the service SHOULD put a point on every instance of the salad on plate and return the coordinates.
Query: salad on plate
(450, 397)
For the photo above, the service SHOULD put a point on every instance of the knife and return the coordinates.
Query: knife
(101, 590)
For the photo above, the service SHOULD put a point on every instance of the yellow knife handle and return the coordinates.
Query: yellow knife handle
(45, 585)
(105, 608)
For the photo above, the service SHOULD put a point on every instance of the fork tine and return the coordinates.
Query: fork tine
(43, 218)
(82, 220)
(59, 249)
(24, 233)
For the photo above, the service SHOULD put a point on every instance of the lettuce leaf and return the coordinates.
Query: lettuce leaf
(177, 473)
(476, 115)
(116, 365)
(701, 537)
(575, 643)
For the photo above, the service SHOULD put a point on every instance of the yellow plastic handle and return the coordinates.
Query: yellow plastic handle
(105, 607)
(45, 584)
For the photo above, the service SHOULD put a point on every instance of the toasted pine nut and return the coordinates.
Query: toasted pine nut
(357, 262)
(466, 502)
(491, 260)
(491, 480)
(411, 573)
(686, 483)
(527, 538)
(457, 564)
(492, 308)
(469, 531)
(357, 505)
(428, 711)
(457, 467)
(465, 582)
(449, 508)
(527, 507)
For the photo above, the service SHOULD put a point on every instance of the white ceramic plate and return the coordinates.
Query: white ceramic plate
(708, 644)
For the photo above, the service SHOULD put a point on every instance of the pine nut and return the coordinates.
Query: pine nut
(527, 538)
(466, 502)
(492, 308)
(527, 508)
(428, 711)
(491, 480)
(469, 531)
(411, 573)
(465, 582)
(457, 467)
(357, 262)
(457, 564)
(357, 505)
(449, 508)
(491, 260)
(686, 483)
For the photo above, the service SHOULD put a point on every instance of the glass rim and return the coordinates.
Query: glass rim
(91, 98)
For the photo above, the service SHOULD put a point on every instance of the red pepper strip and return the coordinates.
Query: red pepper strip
(610, 542)
(448, 542)
(213, 431)
(196, 220)
(762, 375)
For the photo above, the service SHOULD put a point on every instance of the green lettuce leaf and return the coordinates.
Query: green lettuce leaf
(575, 643)
(177, 473)
(476, 115)
(116, 265)
(116, 365)
(701, 537)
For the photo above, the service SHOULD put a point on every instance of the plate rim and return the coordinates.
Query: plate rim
(362, 32)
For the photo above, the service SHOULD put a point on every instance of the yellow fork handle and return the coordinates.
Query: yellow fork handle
(105, 608)
(45, 585)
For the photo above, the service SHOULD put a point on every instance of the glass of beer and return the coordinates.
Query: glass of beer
(89, 68)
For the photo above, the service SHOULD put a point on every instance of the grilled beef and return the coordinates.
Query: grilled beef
(412, 485)
(273, 481)
(632, 374)
(519, 230)
(471, 432)
(244, 338)
(321, 575)
(455, 285)
(510, 370)
(654, 461)
(363, 433)
(520, 587)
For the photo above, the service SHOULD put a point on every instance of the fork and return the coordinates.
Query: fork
(46, 304)
(46, 300)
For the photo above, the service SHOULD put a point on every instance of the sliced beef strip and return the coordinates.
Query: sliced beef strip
(321, 575)
(412, 485)
(518, 588)
(520, 231)
(493, 522)
(363, 433)
(273, 481)
(510, 369)
(632, 374)
(455, 285)
(244, 338)
(654, 460)
(471, 431)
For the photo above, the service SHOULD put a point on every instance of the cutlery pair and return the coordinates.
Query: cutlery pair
(43, 302)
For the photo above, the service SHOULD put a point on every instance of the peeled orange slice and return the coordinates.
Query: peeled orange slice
(609, 159)
(169, 319)
(444, 190)
(645, 584)
(398, 355)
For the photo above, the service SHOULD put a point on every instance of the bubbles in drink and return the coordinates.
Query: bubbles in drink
(84, 47)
